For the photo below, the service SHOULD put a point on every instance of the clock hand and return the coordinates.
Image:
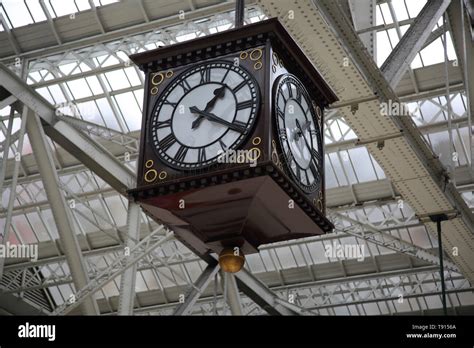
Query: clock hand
(302, 135)
(218, 93)
(302, 129)
(214, 118)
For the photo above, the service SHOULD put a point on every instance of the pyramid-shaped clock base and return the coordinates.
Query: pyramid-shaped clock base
(243, 208)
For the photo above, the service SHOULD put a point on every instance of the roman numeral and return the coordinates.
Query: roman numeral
(289, 157)
(239, 86)
(314, 170)
(282, 134)
(280, 113)
(163, 124)
(280, 92)
(316, 154)
(307, 176)
(202, 154)
(290, 90)
(225, 76)
(167, 142)
(181, 154)
(185, 86)
(298, 172)
(313, 132)
(240, 124)
(223, 145)
(245, 105)
(205, 75)
(172, 104)
(298, 94)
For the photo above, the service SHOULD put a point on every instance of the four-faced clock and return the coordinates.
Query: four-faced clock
(208, 109)
(299, 132)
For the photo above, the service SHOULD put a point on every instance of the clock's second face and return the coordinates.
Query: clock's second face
(299, 132)
(207, 110)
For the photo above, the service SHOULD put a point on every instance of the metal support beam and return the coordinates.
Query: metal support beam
(5, 235)
(363, 14)
(261, 294)
(199, 286)
(61, 213)
(460, 33)
(239, 13)
(88, 151)
(232, 292)
(386, 240)
(403, 54)
(118, 267)
(127, 281)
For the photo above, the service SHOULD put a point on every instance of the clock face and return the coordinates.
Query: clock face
(299, 132)
(207, 110)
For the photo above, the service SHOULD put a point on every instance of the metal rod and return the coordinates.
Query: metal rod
(467, 89)
(11, 199)
(6, 150)
(239, 13)
(233, 297)
(61, 212)
(128, 279)
(441, 268)
(448, 101)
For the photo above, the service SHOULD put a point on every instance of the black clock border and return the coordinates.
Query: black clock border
(243, 139)
(275, 88)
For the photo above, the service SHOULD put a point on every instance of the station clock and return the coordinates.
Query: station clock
(250, 91)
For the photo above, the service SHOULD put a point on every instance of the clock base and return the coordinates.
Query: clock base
(241, 208)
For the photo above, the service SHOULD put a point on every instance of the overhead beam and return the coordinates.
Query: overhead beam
(128, 279)
(465, 53)
(261, 294)
(91, 37)
(407, 48)
(59, 208)
(195, 292)
(86, 150)
(116, 268)
(364, 16)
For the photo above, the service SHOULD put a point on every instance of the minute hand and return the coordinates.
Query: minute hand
(214, 118)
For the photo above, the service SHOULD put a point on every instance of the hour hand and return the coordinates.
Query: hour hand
(214, 118)
(301, 129)
(218, 93)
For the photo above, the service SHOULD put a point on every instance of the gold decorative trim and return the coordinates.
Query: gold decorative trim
(257, 56)
(250, 153)
(153, 82)
(258, 65)
(320, 205)
(162, 175)
(256, 141)
(318, 112)
(274, 68)
(169, 73)
(154, 90)
(149, 163)
(243, 55)
(275, 58)
(154, 175)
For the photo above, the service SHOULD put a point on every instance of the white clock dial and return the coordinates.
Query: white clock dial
(299, 132)
(207, 109)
